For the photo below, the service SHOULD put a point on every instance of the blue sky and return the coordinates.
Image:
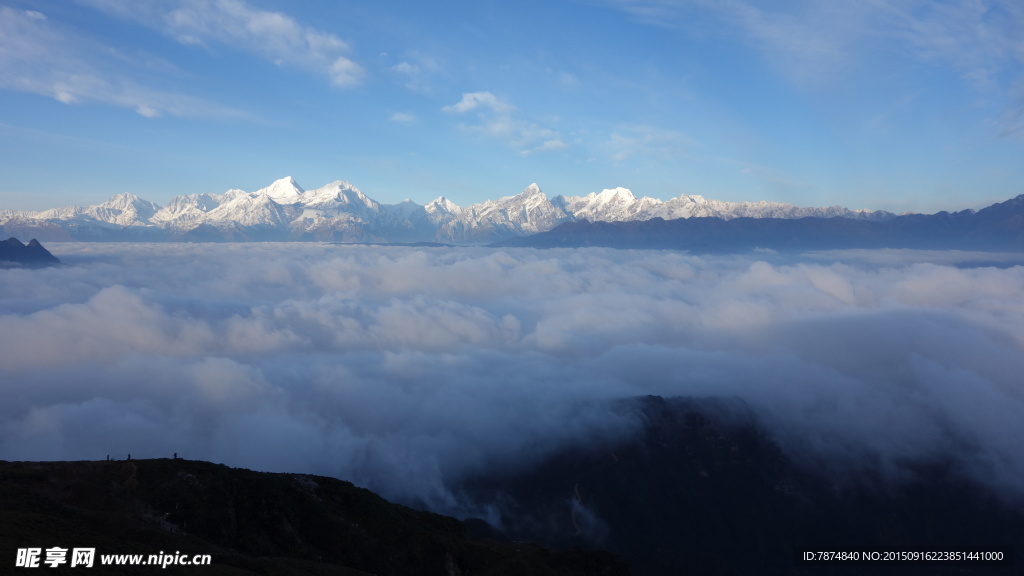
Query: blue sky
(905, 105)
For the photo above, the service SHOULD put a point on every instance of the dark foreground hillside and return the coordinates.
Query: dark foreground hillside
(251, 523)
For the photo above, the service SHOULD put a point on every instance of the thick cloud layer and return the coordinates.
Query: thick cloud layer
(405, 370)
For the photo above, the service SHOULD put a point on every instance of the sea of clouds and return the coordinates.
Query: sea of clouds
(406, 370)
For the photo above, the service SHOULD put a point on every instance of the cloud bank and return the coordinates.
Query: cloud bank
(406, 370)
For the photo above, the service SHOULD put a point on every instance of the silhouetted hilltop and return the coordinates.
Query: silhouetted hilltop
(250, 522)
(33, 255)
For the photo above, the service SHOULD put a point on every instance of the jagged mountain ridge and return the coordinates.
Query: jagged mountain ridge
(339, 211)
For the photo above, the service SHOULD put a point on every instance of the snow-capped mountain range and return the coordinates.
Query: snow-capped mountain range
(340, 212)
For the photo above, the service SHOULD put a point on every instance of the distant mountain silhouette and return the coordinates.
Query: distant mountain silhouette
(32, 255)
(997, 227)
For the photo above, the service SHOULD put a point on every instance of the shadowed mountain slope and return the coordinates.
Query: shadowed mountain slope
(250, 522)
(701, 489)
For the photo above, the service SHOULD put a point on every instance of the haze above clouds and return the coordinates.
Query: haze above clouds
(900, 105)
(406, 370)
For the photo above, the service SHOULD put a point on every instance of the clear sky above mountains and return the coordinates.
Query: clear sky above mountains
(899, 105)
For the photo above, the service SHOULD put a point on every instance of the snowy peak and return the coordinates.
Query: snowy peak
(186, 212)
(121, 210)
(442, 205)
(602, 201)
(338, 191)
(530, 199)
(283, 191)
(258, 209)
(528, 212)
(534, 197)
(614, 195)
(610, 205)
(532, 190)
(122, 201)
(532, 194)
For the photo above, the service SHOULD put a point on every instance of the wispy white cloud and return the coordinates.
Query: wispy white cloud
(654, 12)
(479, 100)
(39, 57)
(410, 72)
(532, 138)
(979, 40)
(568, 79)
(659, 144)
(499, 119)
(415, 72)
(808, 42)
(274, 36)
(403, 118)
(547, 145)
